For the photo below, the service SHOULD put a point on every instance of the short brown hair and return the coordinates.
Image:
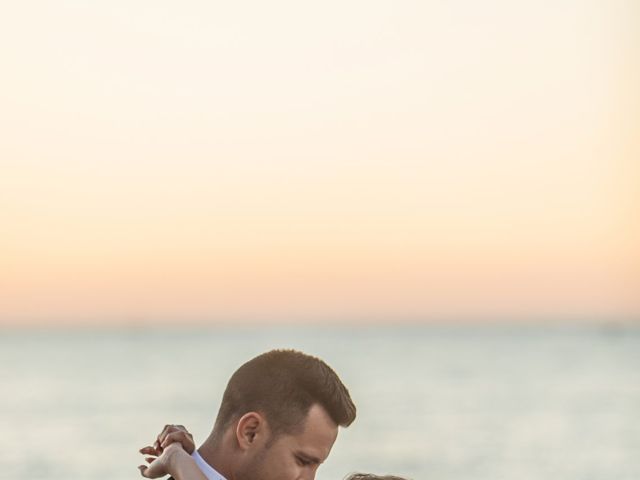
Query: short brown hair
(283, 385)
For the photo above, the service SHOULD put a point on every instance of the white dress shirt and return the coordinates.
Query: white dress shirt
(205, 468)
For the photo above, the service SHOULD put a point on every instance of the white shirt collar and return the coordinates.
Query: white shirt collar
(205, 468)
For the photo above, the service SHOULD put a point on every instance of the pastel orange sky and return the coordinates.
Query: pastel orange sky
(285, 161)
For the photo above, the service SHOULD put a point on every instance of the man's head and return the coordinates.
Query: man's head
(283, 385)
(279, 416)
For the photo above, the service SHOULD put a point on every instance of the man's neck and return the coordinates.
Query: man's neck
(212, 452)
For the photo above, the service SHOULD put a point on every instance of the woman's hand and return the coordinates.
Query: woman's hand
(171, 434)
(168, 462)
(172, 461)
(172, 449)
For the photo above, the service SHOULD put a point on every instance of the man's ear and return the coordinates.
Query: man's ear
(250, 428)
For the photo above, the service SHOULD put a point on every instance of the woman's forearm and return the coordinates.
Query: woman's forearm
(182, 466)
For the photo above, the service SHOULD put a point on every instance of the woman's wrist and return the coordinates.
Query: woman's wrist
(175, 457)
(180, 465)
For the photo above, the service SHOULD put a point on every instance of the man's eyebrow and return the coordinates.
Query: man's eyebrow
(308, 458)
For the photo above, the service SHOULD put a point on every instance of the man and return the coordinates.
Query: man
(278, 420)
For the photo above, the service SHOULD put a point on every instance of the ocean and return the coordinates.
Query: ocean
(434, 402)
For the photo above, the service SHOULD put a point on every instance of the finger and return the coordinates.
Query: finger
(148, 450)
(183, 438)
(149, 471)
(166, 431)
(161, 436)
(169, 429)
(172, 438)
(184, 429)
(150, 459)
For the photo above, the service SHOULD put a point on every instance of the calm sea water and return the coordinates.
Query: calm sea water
(434, 402)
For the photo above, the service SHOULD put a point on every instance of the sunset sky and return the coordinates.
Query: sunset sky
(293, 161)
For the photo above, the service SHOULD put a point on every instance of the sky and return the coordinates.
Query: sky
(362, 161)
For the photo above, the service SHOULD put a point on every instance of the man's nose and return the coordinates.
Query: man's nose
(307, 474)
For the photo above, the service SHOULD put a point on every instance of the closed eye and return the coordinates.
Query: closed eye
(305, 459)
